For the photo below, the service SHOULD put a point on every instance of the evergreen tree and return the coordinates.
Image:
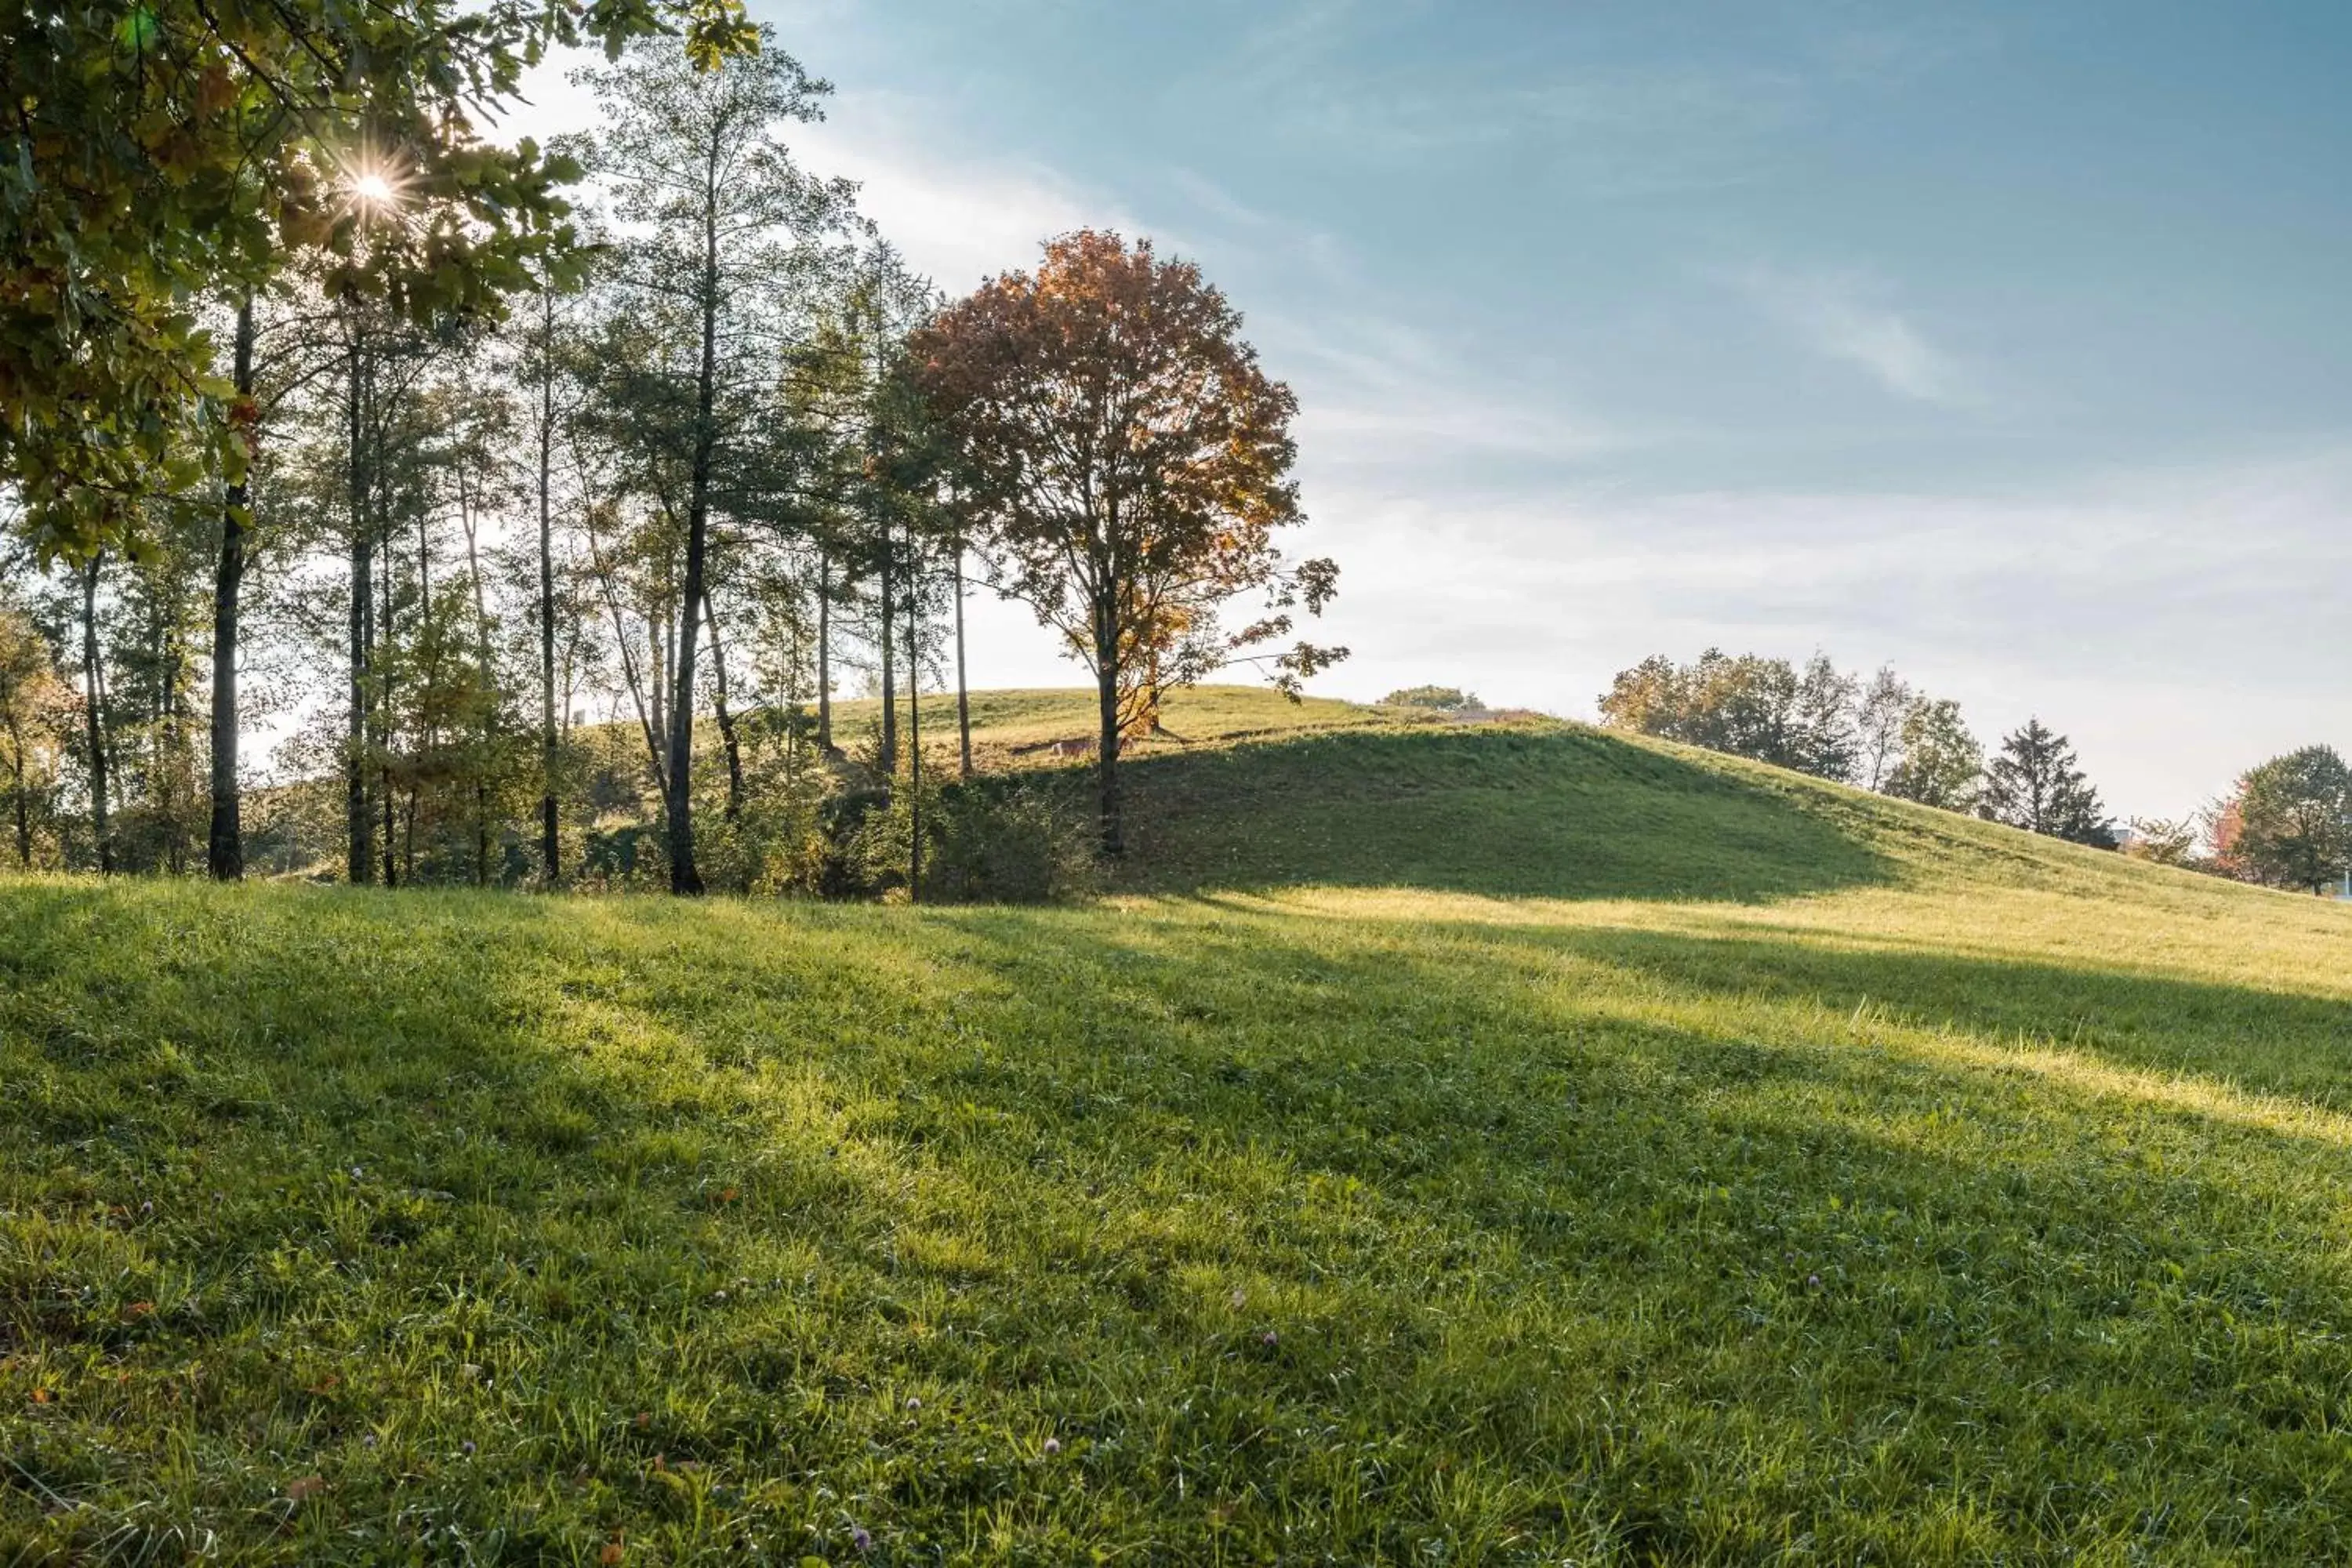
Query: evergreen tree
(2035, 783)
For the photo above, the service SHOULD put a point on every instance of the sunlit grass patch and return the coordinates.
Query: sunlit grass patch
(1944, 1199)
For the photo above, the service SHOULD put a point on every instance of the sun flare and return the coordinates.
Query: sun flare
(372, 187)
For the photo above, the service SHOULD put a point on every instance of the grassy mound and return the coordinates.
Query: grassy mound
(1468, 1145)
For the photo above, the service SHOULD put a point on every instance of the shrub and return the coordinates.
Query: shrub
(988, 842)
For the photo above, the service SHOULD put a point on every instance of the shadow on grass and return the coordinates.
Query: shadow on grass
(2258, 1041)
(1321, 1218)
(1843, 1248)
(1553, 813)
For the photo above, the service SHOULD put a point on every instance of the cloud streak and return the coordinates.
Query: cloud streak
(1842, 316)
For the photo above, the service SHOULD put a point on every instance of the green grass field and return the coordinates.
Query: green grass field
(1502, 1144)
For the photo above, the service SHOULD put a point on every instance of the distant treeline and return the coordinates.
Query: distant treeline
(2287, 823)
(1880, 733)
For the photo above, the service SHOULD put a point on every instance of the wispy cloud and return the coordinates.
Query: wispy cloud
(1845, 316)
(959, 219)
(2122, 610)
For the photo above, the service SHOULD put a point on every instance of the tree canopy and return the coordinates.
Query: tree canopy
(1128, 463)
(2293, 820)
(2034, 783)
(181, 151)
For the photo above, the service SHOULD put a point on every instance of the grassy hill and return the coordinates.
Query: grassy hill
(1501, 1143)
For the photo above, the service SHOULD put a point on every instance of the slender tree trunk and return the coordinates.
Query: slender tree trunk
(683, 878)
(726, 718)
(548, 846)
(824, 652)
(648, 723)
(224, 842)
(1106, 759)
(23, 806)
(657, 642)
(359, 819)
(889, 756)
(963, 693)
(482, 664)
(93, 707)
(383, 708)
(914, 724)
(175, 771)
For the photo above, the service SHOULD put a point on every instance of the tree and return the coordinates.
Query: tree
(2034, 783)
(1127, 463)
(1746, 707)
(1884, 707)
(183, 150)
(1821, 738)
(721, 225)
(1941, 764)
(2294, 820)
(33, 702)
(546, 360)
(1441, 699)
(2165, 840)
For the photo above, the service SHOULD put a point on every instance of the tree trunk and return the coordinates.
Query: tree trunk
(358, 819)
(548, 846)
(683, 878)
(1106, 759)
(657, 641)
(963, 693)
(24, 806)
(383, 707)
(726, 719)
(914, 725)
(824, 652)
(93, 704)
(173, 742)
(888, 759)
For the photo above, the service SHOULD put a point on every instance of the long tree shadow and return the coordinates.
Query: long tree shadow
(1830, 1234)
(2251, 1039)
(1635, 1228)
(1559, 813)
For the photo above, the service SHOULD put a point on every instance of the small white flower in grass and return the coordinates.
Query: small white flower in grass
(1053, 1447)
(913, 1404)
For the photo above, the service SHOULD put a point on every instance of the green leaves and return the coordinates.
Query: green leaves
(184, 152)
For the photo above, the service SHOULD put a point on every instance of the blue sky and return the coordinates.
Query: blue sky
(2005, 342)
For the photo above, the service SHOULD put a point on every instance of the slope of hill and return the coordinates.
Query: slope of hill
(1496, 1145)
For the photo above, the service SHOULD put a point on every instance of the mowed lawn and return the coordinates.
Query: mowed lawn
(1491, 1146)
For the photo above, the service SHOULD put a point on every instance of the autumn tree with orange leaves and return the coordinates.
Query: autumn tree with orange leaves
(1125, 463)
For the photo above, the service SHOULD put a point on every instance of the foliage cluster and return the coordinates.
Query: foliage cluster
(1880, 735)
(502, 480)
(2288, 824)
(1442, 698)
